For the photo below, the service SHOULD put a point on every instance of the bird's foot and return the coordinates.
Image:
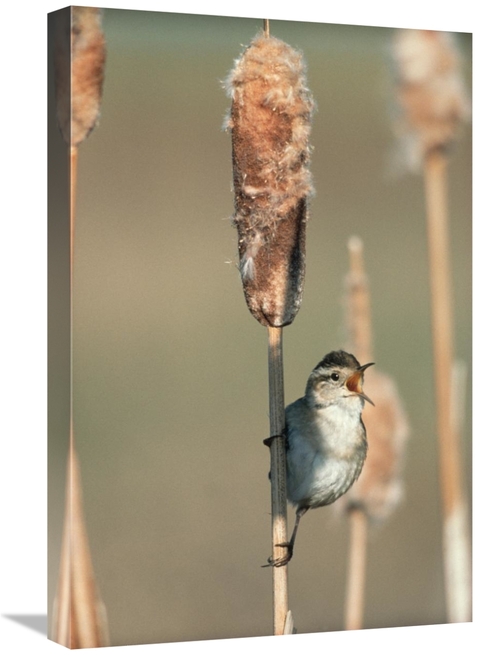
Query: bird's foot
(267, 442)
(280, 561)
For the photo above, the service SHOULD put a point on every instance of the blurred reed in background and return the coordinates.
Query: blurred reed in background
(379, 489)
(434, 105)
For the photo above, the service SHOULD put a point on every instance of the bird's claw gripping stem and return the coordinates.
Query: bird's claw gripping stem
(280, 561)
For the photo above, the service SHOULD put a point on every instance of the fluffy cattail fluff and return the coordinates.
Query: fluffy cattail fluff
(379, 488)
(430, 92)
(270, 123)
(80, 56)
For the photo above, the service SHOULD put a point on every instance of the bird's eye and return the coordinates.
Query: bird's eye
(335, 377)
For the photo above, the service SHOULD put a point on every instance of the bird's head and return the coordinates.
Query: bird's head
(338, 376)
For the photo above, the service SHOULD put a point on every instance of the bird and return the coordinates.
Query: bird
(325, 437)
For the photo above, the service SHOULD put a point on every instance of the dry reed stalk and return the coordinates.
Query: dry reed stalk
(270, 121)
(434, 103)
(357, 304)
(278, 476)
(356, 572)
(79, 619)
(379, 487)
(460, 604)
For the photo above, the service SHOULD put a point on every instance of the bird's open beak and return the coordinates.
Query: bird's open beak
(355, 382)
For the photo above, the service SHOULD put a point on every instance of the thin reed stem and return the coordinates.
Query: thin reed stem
(437, 230)
(460, 603)
(356, 574)
(278, 476)
(73, 171)
(359, 318)
(360, 332)
(360, 336)
(455, 538)
(79, 615)
(267, 31)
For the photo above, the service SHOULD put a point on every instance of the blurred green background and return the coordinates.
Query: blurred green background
(170, 369)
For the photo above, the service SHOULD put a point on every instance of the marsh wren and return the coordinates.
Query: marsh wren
(325, 437)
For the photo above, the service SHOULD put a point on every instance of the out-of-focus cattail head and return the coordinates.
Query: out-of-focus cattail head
(379, 488)
(430, 92)
(80, 55)
(270, 124)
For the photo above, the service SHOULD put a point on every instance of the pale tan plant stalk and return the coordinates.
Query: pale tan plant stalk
(378, 490)
(278, 475)
(356, 572)
(270, 121)
(79, 617)
(434, 103)
(460, 604)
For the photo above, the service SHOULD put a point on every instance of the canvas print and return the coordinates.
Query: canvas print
(259, 327)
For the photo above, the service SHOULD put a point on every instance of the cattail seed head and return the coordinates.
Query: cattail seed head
(270, 123)
(430, 91)
(79, 64)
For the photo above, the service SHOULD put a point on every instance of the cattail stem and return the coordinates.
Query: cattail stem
(278, 476)
(460, 604)
(435, 171)
(79, 615)
(356, 573)
(455, 538)
(73, 164)
(267, 31)
(360, 336)
(358, 310)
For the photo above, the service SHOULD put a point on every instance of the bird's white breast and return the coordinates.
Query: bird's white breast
(325, 451)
